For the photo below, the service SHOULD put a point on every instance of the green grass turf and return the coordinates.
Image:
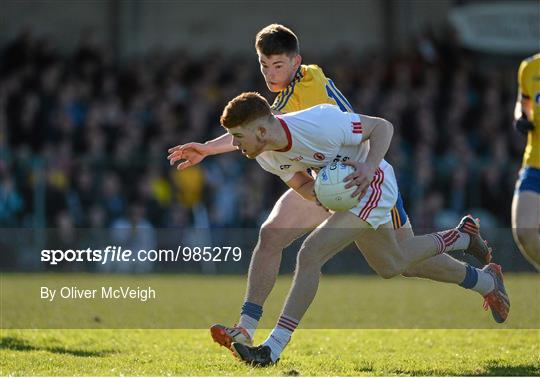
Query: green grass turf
(312, 352)
(196, 302)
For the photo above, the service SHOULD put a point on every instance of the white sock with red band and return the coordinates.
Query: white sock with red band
(280, 336)
(451, 240)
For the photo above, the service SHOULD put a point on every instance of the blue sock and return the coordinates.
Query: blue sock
(252, 310)
(471, 278)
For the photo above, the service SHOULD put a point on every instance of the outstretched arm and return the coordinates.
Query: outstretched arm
(193, 153)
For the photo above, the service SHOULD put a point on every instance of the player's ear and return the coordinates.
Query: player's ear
(297, 60)
(261, 131)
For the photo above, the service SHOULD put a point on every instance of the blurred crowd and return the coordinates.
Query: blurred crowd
(84, 137)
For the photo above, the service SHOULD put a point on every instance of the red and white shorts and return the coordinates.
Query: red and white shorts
(380, 198)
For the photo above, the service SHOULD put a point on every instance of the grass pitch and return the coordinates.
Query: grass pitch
(480, 347)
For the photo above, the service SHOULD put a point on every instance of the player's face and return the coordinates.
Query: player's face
(278, 70)
(247, 141)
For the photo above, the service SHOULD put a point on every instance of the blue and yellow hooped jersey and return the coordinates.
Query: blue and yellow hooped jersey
(308, 88)
(529, 88)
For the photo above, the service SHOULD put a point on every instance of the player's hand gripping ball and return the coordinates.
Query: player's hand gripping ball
(330, 188)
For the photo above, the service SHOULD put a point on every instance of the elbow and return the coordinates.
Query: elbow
(389, 127)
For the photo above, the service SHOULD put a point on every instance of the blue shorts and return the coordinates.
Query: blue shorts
(399, 216)
(529, 180)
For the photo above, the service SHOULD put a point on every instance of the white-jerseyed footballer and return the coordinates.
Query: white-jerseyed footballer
(287, 145)
(300, 87)
(342, 143)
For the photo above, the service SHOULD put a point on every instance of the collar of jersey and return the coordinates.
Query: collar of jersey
(288, 133)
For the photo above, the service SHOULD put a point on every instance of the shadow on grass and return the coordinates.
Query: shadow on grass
(499, 368)
(13, 343)
(491, 368)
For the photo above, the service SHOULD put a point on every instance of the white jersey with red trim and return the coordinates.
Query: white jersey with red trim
(317, 136)
(324, 134)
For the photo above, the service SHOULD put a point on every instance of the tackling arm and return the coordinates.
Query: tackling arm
(221, 144)
(194, 153)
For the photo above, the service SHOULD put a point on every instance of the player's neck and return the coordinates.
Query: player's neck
(277, 136)
(293, 75)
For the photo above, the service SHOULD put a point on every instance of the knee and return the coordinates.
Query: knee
(415, 270)
(308, 259)
(388, 273)
(391, 269)
(272, 238)
(410, 272)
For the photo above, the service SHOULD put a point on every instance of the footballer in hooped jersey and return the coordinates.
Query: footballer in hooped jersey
(301, 87)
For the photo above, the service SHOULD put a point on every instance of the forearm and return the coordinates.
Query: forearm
(379, 142)
(221, 144)
(307, 190)
(303, 184)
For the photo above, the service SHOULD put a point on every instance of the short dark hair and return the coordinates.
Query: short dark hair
(276, 39)
(243, 109)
